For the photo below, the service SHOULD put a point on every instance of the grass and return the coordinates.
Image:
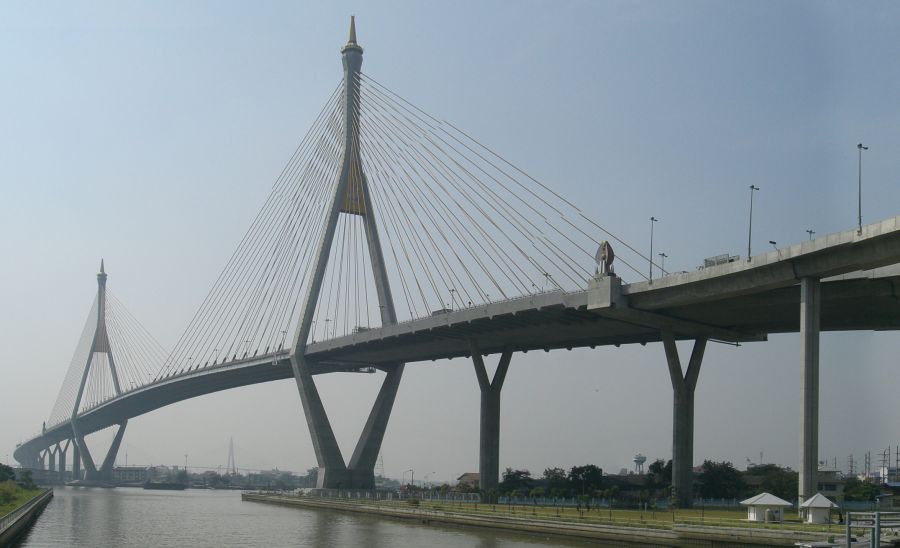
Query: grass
(650, 519)
(21, 497)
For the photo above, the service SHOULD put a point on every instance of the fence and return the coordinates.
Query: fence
(381, 494)
(13, 516)
(873, 521)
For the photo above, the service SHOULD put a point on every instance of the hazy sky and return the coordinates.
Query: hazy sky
(150, 133)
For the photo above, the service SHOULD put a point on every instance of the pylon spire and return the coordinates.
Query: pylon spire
(101, 276)
(351, 41)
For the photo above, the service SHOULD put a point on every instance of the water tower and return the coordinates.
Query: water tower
(639, 461)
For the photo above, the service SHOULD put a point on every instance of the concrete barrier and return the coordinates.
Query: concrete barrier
(16, 522)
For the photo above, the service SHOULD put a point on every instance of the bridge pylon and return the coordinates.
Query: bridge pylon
(99, 345)
(351, 197)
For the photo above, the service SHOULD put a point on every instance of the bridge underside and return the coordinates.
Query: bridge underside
(854, 304)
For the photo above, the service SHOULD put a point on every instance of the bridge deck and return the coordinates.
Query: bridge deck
(738, 301)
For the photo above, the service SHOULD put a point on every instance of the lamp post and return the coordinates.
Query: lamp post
(860, 148)
(662, 262)
(412, 475)
(653, 220)
(750, 228)
(810, 232)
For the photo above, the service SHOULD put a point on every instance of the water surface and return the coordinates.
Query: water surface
(128, 517)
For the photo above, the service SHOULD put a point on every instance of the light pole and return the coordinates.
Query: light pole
(662, 262)
(750, 229)
(653, 220)
(412, 475)
(860, 148)
(810, 232)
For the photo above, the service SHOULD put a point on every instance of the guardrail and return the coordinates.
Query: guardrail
(11, 518)
(873, 521)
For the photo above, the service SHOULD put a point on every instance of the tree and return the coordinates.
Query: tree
(586, 479)
(781, 482)
(7, 473)
(659, 473)
(720, 480)
(515, 481)
(181, 477)
(556, 481)
(8, 490)
(856, 489)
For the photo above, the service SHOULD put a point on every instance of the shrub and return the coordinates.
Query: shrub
(8, 490)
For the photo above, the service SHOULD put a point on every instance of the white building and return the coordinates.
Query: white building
(818, 508)
(765, 507)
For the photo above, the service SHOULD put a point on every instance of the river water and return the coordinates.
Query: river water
(126, 517)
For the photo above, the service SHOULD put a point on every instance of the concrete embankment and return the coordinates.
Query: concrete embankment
(17, 522)
(677, 535)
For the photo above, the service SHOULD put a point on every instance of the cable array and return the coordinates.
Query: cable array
(134, 353)
(252, 307)
(459, 226)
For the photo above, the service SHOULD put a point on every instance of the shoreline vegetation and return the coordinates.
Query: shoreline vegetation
(17, 498)
(661, 528)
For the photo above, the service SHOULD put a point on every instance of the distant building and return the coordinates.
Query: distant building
(831, 484)
(469, 478)
(130, 474)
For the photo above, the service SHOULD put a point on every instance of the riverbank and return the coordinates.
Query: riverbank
(658, 535)
(17, 521)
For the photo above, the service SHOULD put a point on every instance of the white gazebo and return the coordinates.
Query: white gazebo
(818, 508)
(765, 507)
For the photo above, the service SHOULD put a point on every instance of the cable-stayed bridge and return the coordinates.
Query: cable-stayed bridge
(393, 237)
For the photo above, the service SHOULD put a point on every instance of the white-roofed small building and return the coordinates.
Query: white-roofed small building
(765, 507)
(817, 508)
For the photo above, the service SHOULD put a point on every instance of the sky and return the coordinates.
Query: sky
(150, 133)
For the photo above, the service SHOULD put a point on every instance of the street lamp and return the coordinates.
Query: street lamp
(750, 229)
(860, 148)
(810, 232)
(412, 475)
(653, 220)
(662, 262)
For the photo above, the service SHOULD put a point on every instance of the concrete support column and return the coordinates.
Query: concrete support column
(489, 447)
(62, 461)
(105, 472)
(683, 386)
(52, 468)
(76, 461)
(362, 463)
(810, 309)
(333, 473)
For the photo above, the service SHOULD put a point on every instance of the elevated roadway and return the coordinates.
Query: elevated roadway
(743, 301)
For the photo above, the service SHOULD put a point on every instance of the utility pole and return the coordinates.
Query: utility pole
(750, 227)
(860, 148)
(653, 220)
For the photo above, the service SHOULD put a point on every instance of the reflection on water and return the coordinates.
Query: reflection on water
(127, 517)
